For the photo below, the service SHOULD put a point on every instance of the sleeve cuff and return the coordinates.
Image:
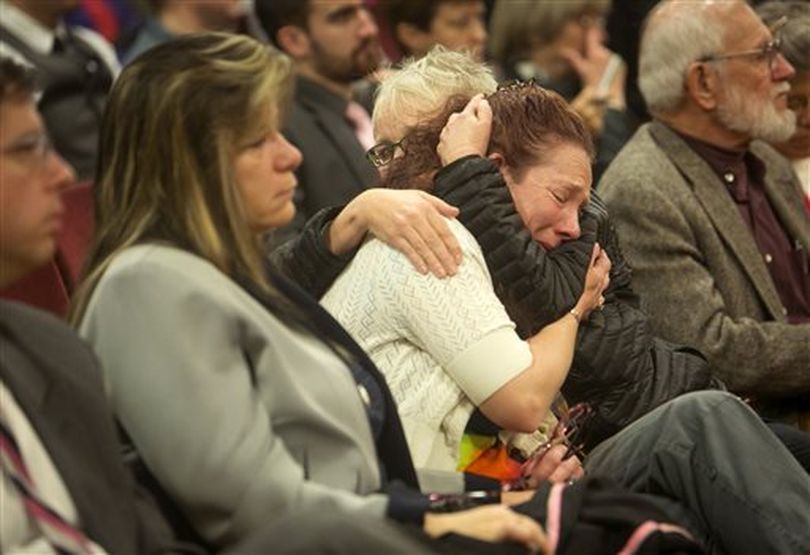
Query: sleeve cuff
(476, 482)
(406, 505)
(490, 363)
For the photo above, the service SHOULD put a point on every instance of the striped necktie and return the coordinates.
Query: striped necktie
(63, 536)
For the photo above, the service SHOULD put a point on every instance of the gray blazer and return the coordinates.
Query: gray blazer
(240, 418)
(697, 266)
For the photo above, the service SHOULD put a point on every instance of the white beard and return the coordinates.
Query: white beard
(744, 113)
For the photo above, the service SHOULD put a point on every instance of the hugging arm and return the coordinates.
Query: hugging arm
(413, 222)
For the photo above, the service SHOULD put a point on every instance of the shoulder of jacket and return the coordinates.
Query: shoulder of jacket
(156, 266)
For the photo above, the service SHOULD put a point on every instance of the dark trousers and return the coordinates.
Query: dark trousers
(712, 453)
(796, 441)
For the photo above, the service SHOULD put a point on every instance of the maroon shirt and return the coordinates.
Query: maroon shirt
(787, 262)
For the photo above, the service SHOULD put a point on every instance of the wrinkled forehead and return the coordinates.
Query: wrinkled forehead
(743, 28)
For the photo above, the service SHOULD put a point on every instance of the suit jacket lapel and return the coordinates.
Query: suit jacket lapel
(327, 110)
(30, 388)
(53, 407)
(41, 398)
(722, 211)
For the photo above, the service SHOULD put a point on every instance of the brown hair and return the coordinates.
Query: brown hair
(272, 15)
(419, 13)
(174, 122)
(526, 121)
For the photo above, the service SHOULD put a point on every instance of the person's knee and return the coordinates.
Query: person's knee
(700, 402)
(716, 414)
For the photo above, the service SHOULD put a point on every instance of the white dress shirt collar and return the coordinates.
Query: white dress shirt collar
(28, 29)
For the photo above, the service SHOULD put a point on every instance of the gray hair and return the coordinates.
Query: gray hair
(515, 24)
(669, 44)
(795, 34)
(421, 88)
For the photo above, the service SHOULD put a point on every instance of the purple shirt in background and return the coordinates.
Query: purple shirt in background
(787, 262)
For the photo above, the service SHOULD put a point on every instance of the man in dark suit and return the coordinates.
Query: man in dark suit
(59, 447)
(333, 45)
(75, 67)
(710, 216)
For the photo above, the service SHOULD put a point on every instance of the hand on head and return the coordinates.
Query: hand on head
(466, 132)
(413, 222)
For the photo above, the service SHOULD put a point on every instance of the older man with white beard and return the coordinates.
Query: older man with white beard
(711, 217)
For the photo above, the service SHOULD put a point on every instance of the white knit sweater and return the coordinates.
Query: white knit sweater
(444, 345)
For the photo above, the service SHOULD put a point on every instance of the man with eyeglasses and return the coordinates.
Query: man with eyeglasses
(75, 67)
(710, 216)
(63, 487)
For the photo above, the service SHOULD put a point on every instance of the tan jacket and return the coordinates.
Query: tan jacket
(697, 267)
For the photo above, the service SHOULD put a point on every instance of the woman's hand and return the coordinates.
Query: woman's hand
(466, 132)
(550, 466)
(491, 523)
(596, 281)
(591, 109)
(512, 498)
(603, 75)
(413, 222)
(597, 71)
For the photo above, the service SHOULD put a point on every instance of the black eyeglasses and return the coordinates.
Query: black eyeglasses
(768, 52)
(384, 153)
(570, 429)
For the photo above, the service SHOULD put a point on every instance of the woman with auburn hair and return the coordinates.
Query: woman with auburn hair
(465, 382)
(244, 400)
(448, 348)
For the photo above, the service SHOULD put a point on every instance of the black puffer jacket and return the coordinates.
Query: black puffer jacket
(619, 366)
(305, 260)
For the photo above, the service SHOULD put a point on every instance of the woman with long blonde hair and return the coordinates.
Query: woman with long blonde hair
(244, 400)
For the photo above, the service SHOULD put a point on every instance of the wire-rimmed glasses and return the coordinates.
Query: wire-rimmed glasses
(768, 52)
